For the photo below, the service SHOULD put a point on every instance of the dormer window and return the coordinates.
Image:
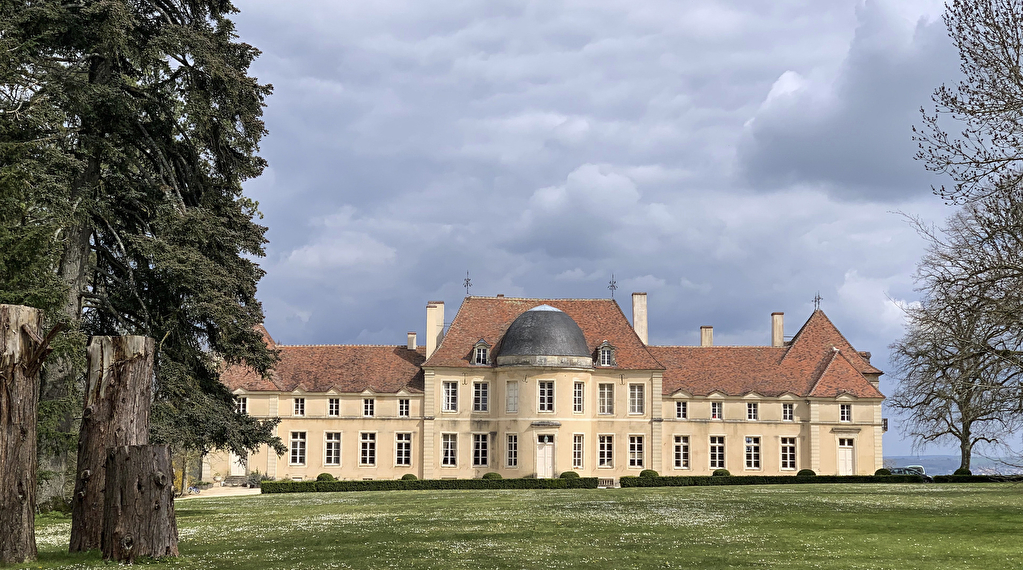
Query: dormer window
(481, 353)
(605, 354)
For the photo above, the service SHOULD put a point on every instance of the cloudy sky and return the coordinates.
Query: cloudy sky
(729, 157)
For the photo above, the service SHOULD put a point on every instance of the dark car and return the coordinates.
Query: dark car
(911, 470)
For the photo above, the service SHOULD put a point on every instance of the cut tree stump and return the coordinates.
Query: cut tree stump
(21, 351)
(116, 413)
(138, 510)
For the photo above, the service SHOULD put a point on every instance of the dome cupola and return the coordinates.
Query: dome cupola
(544, 336)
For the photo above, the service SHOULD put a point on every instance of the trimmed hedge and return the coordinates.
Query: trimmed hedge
(698, 481)
(424, 485)
(978, 478)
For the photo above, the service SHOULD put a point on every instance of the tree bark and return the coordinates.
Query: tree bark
(138, 508)
(116, 413)
(965, 448)
(20, 356)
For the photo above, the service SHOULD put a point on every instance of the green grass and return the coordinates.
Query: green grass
(800, 526)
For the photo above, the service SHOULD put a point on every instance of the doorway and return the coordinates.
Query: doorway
(545, 456)
(238, 465)
(846, 456)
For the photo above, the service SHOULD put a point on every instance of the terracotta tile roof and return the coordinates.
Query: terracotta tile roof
(345, 368)
(841, 377)
(488, 318)
(819, 334)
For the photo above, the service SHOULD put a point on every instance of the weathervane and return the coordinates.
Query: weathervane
(467, 283)
(817, 301)
(612, 285)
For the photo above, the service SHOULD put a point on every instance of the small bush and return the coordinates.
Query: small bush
(809, 473)
(569, 475)
(962, 471)
(255, 478)
(721, 473)
(492, 475)
(882, 472)
(649, 473)
(325, 477)
(409, 477)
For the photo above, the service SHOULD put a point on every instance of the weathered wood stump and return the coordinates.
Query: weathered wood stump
(116, 413)
(138, 510)
(19, 397)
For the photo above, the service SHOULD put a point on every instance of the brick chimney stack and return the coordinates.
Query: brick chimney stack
(639, 316)
(777, 329)
(706, 336)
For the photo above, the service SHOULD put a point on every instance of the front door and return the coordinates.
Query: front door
(846, 457)
(545, 456)
(237, 465)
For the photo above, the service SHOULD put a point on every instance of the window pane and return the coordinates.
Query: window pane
(512, 396)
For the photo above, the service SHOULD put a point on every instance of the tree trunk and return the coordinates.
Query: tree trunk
(20, 347)
(965, 450)
(138, 508)
(116, 413)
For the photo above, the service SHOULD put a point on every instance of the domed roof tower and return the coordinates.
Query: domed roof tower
(544, 336)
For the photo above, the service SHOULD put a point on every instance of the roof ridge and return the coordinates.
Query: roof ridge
(834, 353)
(717, 346)
(405, 346)
(505, 298)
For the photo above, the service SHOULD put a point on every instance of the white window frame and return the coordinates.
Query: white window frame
(480, 356)
(331, 439)
(449, 453)
(298, 447)
(753, 453)
(752, 411)
(404, 407)
(402, 439)
(241, 405)
(723, 453)
(545, 396)
(578, 449)
(363, 455)
(449, 394)
(298, 407)
(845, 413)
(369, 407)
(606, 356)
(637, 449)
(511, 450)
(578, 397)
(480, 449)
(719, 414)
(333, 407)
(511, 397)
(681, 410)
(788, 412)
(789, 443)
(605, 451)
(481, 396)
(637, 405)
(606, 399)
(681, 452)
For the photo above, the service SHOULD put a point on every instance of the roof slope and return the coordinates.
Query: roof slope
(488, 318)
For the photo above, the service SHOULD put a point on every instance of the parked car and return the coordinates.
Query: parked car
(912, 470)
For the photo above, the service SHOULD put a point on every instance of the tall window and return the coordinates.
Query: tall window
(334, 407)
(546, 391)
(403, 449)
(716, 410)
(241, 405)
(368, 449)
(636, 399)
(606, 356)
(681, 410)
(511, 404)
(297, 448)
(299, 406)
(605, 450)
(752, 453)
(449, 449)
(606, 399)
(368, 407)
(480, 355)
(403, 408)
(635, 451)
(845, 413)
(788, 453)
(717, 452)
(512, 450)
(577, 451)
(752, 411)
(480, 449)
(332, 448)
(481, 396)
(681, 452)
(450, 396)
(787, 412)
(577, 397)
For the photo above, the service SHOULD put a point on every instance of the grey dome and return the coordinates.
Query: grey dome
(544, 336)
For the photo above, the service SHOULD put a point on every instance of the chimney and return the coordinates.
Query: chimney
(434, 326)
(777, 329)
(639, 316)
(706, 336)
(412, 340)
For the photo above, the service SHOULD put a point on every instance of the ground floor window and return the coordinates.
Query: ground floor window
(681, 452)
(512, 450)
(717, 452)
(368, 449)
(635, 451)
(752, 453)
(332, 448)
(449, 449)
(403, 449)
(605, 450)
(298, 448)
(480, 449)
(788, 453)
(577, 451)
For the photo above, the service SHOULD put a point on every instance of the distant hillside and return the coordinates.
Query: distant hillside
(946, 464)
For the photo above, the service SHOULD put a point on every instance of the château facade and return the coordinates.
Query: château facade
(535, 387)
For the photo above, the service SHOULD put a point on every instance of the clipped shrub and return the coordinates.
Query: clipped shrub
(492, 475)
(426, 484)
(325, 477)
(409, 477)
(649, 473)
(882, 472)
(568, 475)
(721, 473)
(808, 473)
(962, 471)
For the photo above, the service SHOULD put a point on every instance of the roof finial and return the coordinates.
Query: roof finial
(467, 283)
(612, 285)
(817, 301)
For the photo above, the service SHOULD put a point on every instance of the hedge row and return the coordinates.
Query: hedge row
(424, 485)
(977, 478)
(683, 481)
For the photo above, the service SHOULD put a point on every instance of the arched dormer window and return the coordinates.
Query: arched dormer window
(605, 354)
(480, 353)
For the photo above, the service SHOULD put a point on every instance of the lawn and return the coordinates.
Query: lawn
(801, 526)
